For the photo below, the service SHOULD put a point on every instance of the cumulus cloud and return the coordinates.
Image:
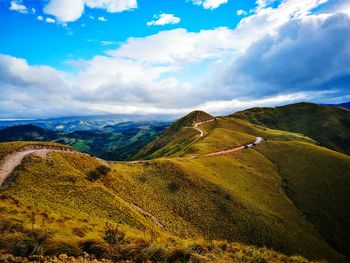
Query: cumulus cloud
(164, 19)
(308, 54)
(18, 7)
(178, 46)
(210, 4)
(69, 11)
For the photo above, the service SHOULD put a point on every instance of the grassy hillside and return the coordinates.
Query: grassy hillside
(330, 126)
(287, 194)
(175, 137)
(54, 208)
(318, 185)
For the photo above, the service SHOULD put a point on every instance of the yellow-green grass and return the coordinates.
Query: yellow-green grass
(237, 197)
(330, 126)
(175, 138)
(219, 135)
(317, 180)
(75, 210)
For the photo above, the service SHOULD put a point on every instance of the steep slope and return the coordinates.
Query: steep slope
(317, 180)
(175, 137)
(330, 126)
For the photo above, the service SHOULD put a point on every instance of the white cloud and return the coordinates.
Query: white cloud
(65, 10)
(40, 18)
(69, 11)
(178, 46)
(241, 12)
(112, 6)
(164, 19)
(210, 4)
(308, 54)
(18, 7)
(102, 19)
(50, 20)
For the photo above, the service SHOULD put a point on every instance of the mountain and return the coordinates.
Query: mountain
(203, 193)
(87, 123)
(113, 142)
(345, 105)
(27, 133)
(329, 126)
(165, 145)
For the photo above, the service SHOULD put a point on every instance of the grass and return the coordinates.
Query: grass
(175, 138)
(318, 186)
(330, 126)
(282, 195)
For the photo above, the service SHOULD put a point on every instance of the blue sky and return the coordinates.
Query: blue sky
(59, 57)
(45, 43)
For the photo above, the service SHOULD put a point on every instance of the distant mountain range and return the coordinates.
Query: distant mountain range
(87, 123)
(345, 105)
(112, 142)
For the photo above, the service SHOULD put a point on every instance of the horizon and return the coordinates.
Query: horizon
(103, 57)
(174, 117)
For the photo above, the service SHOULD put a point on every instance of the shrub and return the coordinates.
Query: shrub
(94, 247)
(27, 244)
(112, 235)
(98, 173)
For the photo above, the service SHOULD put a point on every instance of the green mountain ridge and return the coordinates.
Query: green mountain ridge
(330, 126)
(287, 194)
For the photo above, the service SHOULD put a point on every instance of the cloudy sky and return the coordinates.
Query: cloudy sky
(82, 57)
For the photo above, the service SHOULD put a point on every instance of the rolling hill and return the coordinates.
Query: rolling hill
(330, 126)
(287, 194)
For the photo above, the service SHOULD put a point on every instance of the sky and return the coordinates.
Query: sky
(89, 57)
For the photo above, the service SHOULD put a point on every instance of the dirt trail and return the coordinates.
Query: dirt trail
(143, 212)
(195, 126)
(11, 161)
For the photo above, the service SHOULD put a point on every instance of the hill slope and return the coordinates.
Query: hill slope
(175, 137)
(53, 207)
(254, 196)
(330, 126)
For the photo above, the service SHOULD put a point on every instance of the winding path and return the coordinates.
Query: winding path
(195, 126)
(11, 161)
